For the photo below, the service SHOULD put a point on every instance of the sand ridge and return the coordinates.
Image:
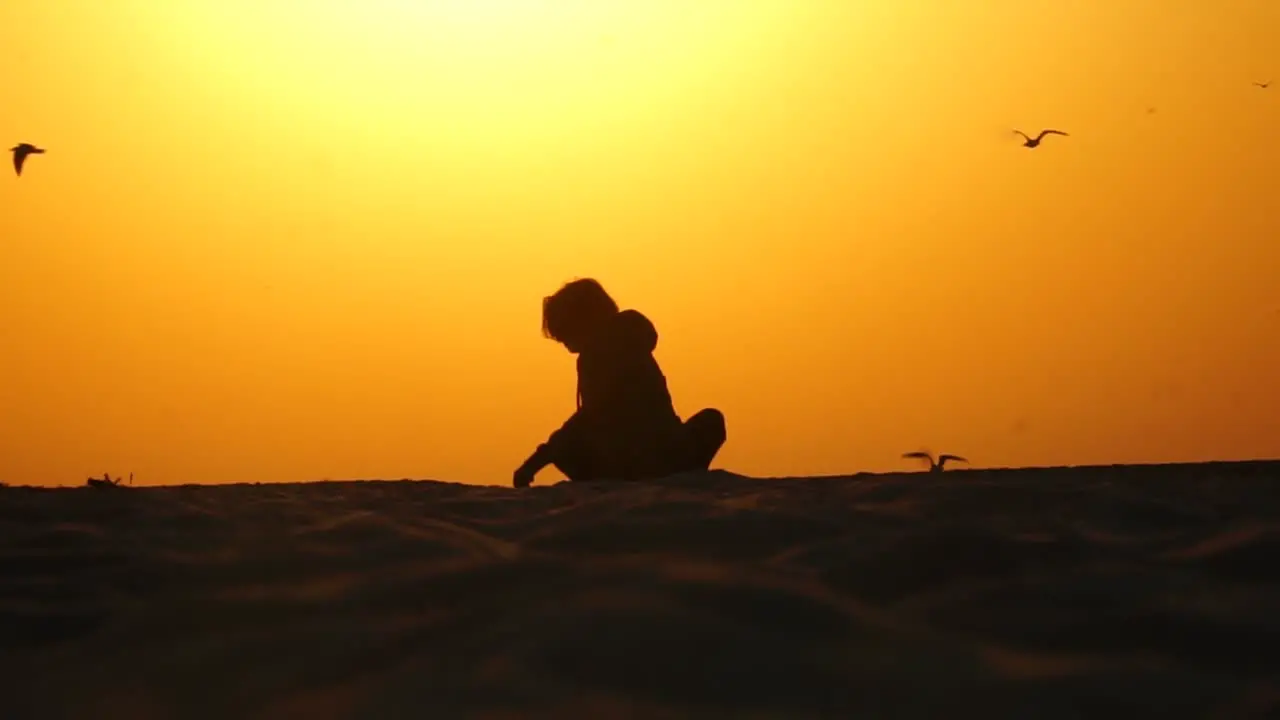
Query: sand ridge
(1074, 592)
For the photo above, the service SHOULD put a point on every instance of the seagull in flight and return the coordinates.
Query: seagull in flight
(1264, 85)
(20, 153)
(934, 465)
(1034, 141)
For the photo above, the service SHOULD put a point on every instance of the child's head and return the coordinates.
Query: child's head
(571, 315)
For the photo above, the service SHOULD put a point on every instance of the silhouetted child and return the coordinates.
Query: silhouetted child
(625, 427)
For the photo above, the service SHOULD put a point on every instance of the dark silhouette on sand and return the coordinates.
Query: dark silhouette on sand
(20, 153)
(105, 482)
(625, 427)
(1032, 142)
(934, 466)
(1263, 85)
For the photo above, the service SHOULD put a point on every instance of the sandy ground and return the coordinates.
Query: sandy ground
(1056, 593)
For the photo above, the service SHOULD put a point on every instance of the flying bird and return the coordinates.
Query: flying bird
(1264, 85)
(1034, 141)
(934, 465)
(20, 153)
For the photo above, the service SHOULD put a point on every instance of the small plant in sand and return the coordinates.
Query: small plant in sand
(934, 465)
(106, 482)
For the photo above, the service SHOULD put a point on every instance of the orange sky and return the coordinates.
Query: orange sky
(280, 241)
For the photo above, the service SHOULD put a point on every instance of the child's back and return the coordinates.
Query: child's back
(622, 394)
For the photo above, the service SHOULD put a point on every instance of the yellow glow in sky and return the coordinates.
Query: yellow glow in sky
(278, 240)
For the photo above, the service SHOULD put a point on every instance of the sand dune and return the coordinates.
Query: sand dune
(1053, 593)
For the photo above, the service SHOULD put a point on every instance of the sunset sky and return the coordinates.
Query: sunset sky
(286, 241)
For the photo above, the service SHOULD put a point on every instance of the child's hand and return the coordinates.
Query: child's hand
(523, 476)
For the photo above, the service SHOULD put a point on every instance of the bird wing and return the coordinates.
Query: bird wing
(19, 156)
(919, 455)
(957, 458)
(1050, 132)
(1019, 132)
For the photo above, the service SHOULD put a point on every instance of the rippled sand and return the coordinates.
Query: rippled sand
(1045, 593)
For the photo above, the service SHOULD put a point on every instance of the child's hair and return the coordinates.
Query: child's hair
(577, 305)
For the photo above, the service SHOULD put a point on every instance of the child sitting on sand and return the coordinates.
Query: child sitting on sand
(625, 427)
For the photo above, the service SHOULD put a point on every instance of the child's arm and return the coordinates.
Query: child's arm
(547, 452)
